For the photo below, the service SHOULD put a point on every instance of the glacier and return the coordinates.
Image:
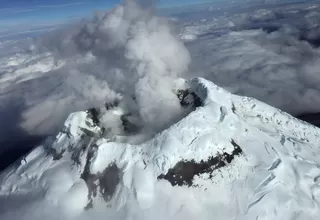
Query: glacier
(226, 157)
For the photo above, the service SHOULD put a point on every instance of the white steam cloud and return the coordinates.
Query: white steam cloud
(141, 55)
(270, 53)
(127, 51)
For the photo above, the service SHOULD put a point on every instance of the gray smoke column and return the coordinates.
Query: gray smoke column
(138, 55)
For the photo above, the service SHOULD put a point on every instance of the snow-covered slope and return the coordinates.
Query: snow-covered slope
(231, 157)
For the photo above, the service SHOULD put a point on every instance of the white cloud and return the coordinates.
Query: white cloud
(127, 50)
(136, 45)
(131, 52)
(277, 64)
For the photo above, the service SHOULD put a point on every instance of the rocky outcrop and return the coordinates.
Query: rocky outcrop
(184, 172)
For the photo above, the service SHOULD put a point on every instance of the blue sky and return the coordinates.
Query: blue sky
(42, 11)
(31, 16)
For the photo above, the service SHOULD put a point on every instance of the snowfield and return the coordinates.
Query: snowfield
(165, 143)
(231, 157)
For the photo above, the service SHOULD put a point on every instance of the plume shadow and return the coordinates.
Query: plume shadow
(15, 142)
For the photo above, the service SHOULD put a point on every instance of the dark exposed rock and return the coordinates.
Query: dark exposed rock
(223, 113)
(189, 98)
(184, 171)
(233, 108)
(90, 178)
(93, 113)
(79, 150)
(56, 154)
(236, 152)
(111, 105)
(89, 133)
(106, 182)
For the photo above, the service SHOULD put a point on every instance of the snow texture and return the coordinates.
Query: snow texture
(127, 51)
(162, 147)
(82, 174)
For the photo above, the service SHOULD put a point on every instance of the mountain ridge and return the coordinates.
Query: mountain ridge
(229, 157)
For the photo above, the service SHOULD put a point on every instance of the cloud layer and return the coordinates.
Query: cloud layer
(271, 54)
(127, 52)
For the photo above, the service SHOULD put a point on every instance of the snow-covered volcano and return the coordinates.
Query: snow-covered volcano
(229, 157)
